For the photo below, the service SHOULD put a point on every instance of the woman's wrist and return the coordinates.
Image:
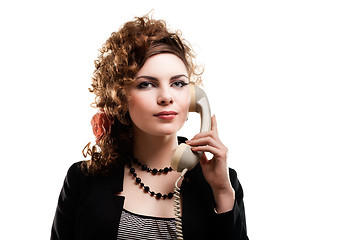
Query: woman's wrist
(224, 199)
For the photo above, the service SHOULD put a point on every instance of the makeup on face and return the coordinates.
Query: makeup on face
(159, 98)
(166, 115)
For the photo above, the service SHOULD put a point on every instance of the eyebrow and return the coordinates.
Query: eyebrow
(155, 79)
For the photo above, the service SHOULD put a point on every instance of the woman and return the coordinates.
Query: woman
(125, 191)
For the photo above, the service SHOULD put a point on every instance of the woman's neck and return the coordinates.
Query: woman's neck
(154, 151)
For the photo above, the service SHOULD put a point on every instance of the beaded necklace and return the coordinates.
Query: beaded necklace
(154, 171)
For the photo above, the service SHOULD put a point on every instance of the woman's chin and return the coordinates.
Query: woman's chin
(160, 130)
(164, 132)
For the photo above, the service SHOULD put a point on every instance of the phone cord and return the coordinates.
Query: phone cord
(177, 207)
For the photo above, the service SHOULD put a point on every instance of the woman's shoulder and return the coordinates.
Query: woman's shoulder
(78, 172)
(76, 169)
(74, 175)
(77, 177)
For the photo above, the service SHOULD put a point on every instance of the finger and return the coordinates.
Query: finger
(204, 135)
(213, 150)
(214, 125)
(205, 141)
(204, 159)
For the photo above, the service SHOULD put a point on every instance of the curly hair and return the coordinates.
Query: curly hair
(121, 57)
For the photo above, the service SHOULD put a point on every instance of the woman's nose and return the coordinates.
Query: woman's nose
(165, 98)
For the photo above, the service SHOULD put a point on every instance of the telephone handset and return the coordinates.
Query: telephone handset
(184, 157)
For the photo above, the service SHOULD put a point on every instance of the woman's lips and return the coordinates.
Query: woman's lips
(166, 115)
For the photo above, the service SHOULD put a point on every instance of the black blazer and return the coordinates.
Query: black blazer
(88, 208)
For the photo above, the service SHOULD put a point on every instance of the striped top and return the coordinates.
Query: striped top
(133, 226)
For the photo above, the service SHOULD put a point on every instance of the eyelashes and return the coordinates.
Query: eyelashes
(179, 84)
(145, 85)
(150, 84)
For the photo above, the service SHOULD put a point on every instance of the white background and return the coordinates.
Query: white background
(282, 78)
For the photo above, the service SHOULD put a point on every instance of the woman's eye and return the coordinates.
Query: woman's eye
(179, 84)
(145, 85)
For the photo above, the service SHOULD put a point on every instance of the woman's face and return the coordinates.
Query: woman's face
(159, 99)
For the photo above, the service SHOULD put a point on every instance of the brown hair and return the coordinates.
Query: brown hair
(121, 56)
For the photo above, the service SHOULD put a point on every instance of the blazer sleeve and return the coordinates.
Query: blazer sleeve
(64, 221)
(232, 224)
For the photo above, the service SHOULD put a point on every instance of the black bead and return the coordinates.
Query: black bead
(154, 171)
(166, 170)
(149, 169)
(158, 195)
(146, 188)
(143, 167)
(138, 180)
(170, 195)
(160, 171)
(132, 170)
(164, 196)
(152, 193)
(134, 175)
(171, 169)
(142, 184)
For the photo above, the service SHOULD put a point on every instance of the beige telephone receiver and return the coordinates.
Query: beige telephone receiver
(183, 156)
(184, 159)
